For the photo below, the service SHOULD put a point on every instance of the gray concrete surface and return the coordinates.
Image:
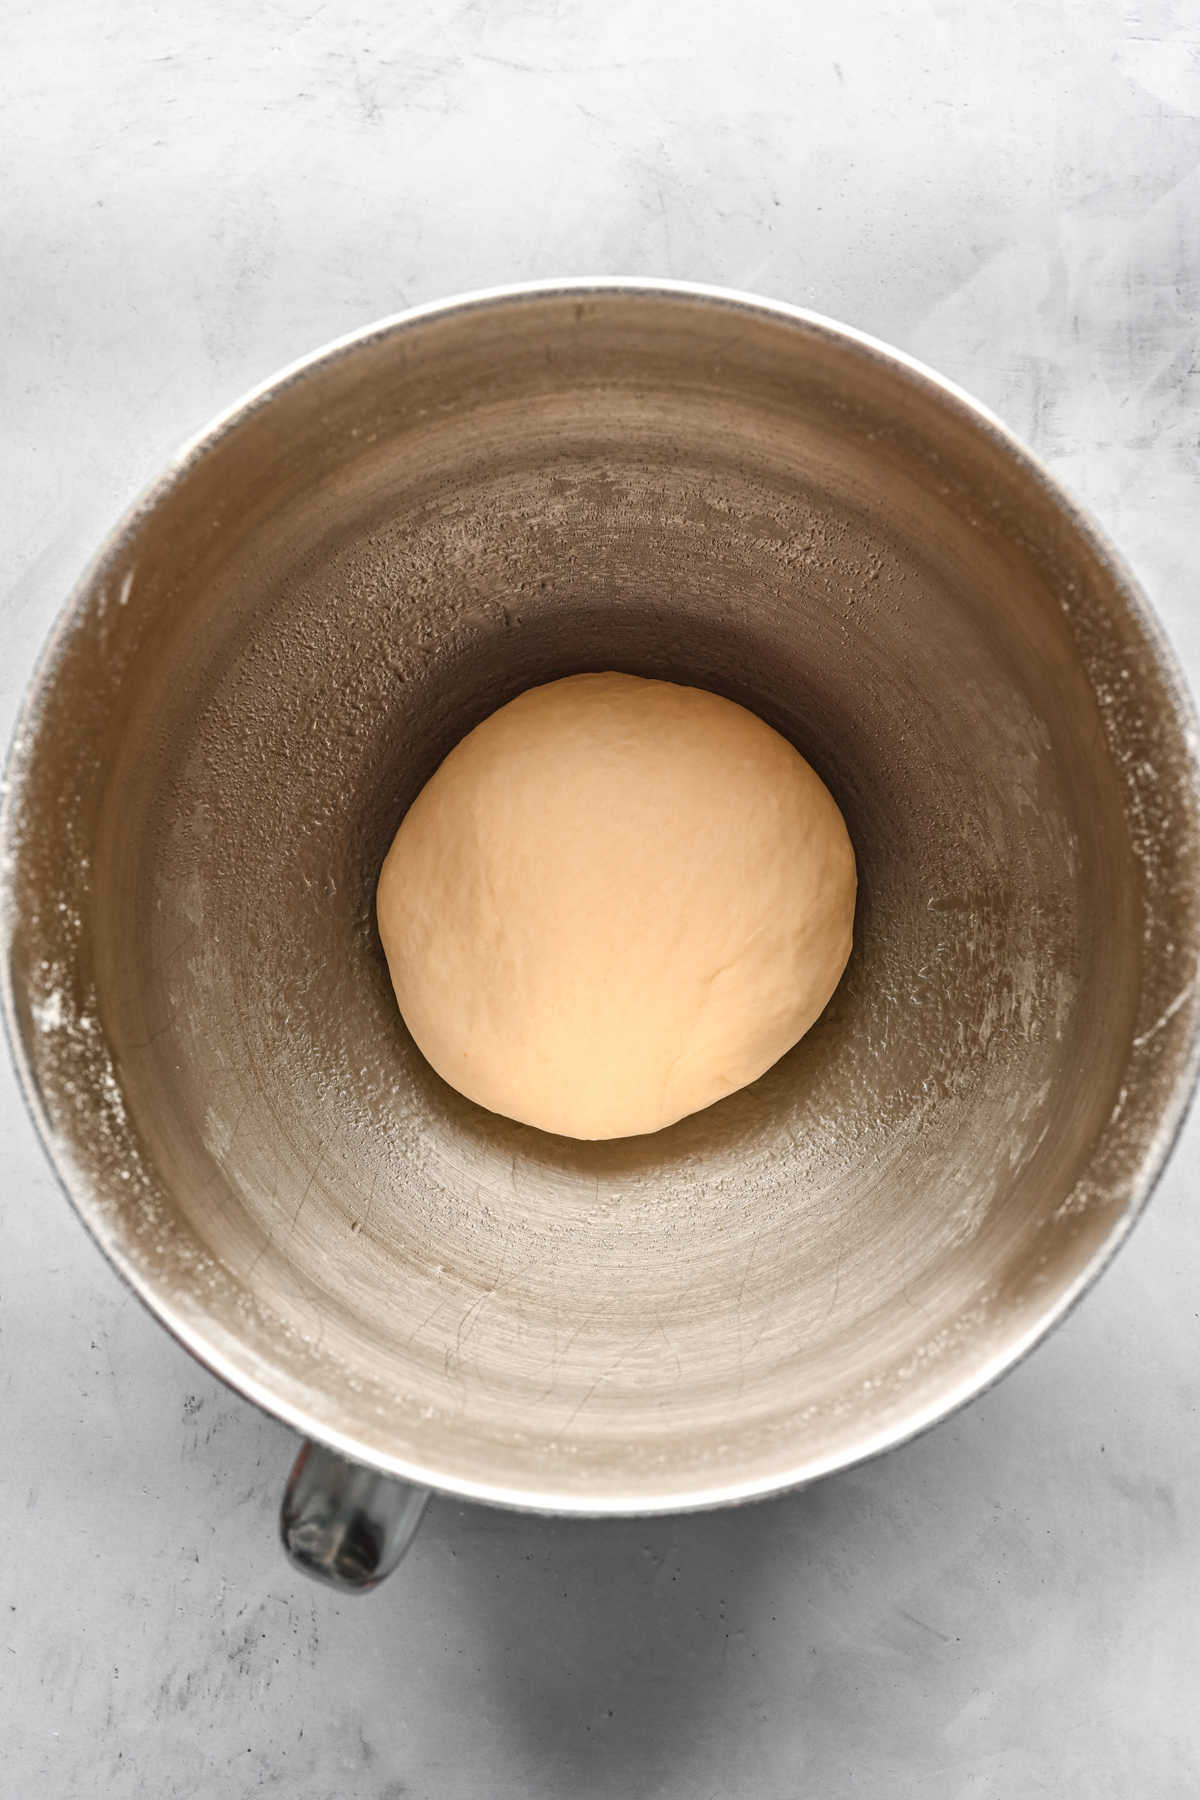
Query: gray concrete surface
(193, 194)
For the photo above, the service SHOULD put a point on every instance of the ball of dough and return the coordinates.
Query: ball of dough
(615, 902)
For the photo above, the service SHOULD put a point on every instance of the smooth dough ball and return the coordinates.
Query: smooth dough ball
(615, 902)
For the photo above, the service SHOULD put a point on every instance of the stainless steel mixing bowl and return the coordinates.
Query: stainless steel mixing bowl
(272, 653)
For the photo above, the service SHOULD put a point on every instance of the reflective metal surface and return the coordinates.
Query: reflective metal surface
(344, 1524)
(271, 656)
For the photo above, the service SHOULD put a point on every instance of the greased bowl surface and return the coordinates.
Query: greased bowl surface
(273, 652)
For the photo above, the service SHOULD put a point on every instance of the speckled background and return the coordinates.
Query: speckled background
(193, 195)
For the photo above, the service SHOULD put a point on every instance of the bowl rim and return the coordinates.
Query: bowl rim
(545, 1497)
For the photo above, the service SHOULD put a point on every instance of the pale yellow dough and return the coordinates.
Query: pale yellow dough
(615, 902)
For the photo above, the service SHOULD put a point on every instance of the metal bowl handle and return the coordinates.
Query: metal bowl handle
(345, 1524)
